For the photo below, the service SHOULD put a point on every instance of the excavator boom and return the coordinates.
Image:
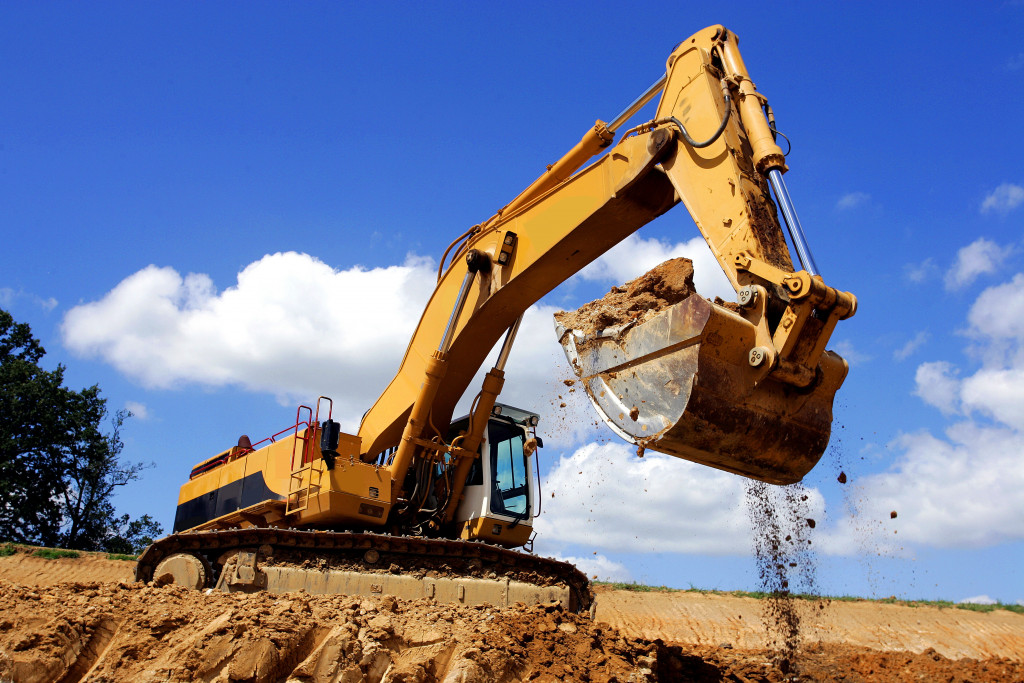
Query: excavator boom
(761, 371)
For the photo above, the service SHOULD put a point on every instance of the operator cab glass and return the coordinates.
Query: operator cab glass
(499, 484)
(510, 492)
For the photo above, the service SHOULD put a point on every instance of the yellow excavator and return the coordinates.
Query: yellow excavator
(418, 504)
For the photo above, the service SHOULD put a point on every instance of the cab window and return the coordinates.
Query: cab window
(509, 488)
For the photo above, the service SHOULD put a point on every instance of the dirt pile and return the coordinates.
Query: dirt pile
(116, 631)
(23, 566)
(138, 632)
(135, 632)
(655, 290)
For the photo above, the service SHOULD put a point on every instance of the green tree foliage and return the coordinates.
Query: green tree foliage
(58, 470)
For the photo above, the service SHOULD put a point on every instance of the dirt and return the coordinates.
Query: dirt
(784, 560)
(24, 567)
(118, 631)
(639, 299)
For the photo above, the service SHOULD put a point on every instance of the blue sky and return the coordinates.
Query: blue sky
(216, 211)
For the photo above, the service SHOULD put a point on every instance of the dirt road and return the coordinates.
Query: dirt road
(98, 627)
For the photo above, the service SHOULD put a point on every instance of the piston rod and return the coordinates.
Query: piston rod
(638, 103)
(460, 302)
(796, 231)
(506, 346)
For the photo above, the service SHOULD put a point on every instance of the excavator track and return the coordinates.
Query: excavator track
(361, 563)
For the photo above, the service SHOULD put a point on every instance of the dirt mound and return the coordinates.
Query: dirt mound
(137, 632)
(114, 631)
(24, 567)
(655, 290)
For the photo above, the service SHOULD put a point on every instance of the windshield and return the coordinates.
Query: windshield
(509, 490)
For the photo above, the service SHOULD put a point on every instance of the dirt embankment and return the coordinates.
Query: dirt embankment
(133, 632)
(118, 631)
(25, 568)
(712, 619)
(640, 298)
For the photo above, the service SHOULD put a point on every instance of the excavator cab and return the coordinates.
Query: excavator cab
(498, 499)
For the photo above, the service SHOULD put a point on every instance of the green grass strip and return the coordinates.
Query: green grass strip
(53, 554)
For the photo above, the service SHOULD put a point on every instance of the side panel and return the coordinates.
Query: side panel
(250, 479)
(234, 495)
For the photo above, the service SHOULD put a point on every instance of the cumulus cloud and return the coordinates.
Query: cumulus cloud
(920, 272)
(936, 384)
(997, 317)
(965, 487)
(853, 356)
(611, 499)
(138, 410)
(908, 349)
(852, 200)
(9, 296)
(1003, 199)
(291, 326)
(635, 255)
(296, 328)
(978, 600)
(980, 257)
(598, 567)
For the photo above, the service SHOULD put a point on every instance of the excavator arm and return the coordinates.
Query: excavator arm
(711, 147)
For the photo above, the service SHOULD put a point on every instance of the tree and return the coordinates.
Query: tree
(58, 470)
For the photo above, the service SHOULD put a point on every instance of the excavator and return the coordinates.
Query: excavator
(419, 503)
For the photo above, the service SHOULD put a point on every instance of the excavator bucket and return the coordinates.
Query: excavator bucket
(680, 383)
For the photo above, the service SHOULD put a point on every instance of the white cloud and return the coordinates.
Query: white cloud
(978, 600)
(8, 296)
(852, 200)
(607, 497)
(296, 328)
(908, 349)
(291, 325)
(936, 384)
(980, 257)
(848, 351)
(635, 255)
(920, 272)
(964, 488)
(1003, 199)
(598, 567)
(998, 313)
(137, 409)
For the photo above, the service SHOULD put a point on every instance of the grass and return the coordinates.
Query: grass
(636, 587)
(119, 556)
(760, 595)
(53, 554)
(8, 549)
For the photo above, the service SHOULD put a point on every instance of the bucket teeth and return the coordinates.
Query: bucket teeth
(681, 383)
